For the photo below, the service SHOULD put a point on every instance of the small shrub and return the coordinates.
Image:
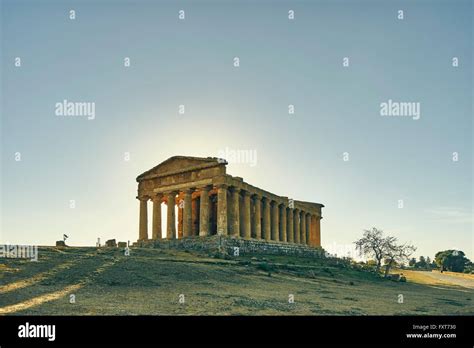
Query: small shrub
(266, 267)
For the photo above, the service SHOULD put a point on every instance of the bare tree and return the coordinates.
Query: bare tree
(396, 253)
(374, 244)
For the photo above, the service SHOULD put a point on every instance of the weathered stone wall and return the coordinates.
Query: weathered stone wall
(228, 245)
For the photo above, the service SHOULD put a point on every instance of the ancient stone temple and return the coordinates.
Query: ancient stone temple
(212, 202)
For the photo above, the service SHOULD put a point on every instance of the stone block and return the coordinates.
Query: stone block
(111, 243)
(61, 243)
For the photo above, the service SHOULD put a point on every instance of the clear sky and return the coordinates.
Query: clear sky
(282, 62)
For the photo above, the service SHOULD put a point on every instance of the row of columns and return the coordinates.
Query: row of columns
(253, 216)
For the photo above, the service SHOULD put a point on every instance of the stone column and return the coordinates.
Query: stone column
(143, 226)
(188, 213)
(180, 206)
(236, 212)
(246, 222)
(258, 217)
(312, 230)
(289, 230)
(282, 210)
(296, 225)
(308, 228)
(156, 230)
(204, 212)
(222, 210)
(266, 219)
(275, 221)
(303, 228)
(171, 216)
(317, 231)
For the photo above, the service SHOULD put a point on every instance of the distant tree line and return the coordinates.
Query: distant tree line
(423, 263)
(385, 253)
(447, 260)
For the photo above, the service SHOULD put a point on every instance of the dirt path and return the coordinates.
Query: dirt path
(55, 295)
(19, 284)
(467, 283)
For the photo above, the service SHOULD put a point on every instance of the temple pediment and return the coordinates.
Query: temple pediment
(180, 164)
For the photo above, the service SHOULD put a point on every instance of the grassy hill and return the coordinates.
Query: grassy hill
(152, 282)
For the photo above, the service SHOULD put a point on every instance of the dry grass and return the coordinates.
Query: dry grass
(460, 275)
(421, 277)
(150, 281)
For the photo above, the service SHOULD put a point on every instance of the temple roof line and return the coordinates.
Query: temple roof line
(207, 162)
(162, 176)
(273, 195)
